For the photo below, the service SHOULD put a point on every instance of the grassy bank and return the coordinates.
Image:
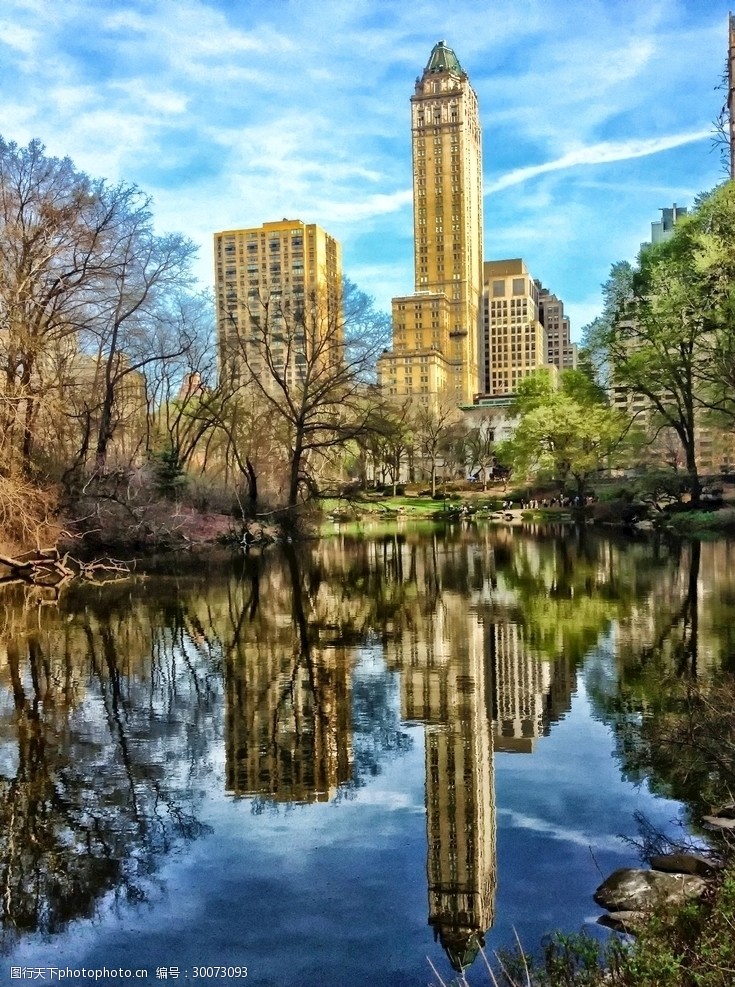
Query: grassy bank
(698, 522)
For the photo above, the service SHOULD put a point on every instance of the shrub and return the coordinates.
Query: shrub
(618, 512)
(619, 491)
(662, 485)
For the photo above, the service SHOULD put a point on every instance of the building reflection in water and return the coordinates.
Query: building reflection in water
(288, 716)
(468, 675)
(288, 740)
(471, 679)
(113, 698)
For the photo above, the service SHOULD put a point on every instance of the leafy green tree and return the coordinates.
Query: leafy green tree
(711, 244)
(667, 331)
(565, 432)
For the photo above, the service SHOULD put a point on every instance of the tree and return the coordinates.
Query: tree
(617, 292)
(135, 322)
(55, 229)
(566, 431)
(668, 329)
(480, 449)
(710, 245)
(389, 438)
(183, 403)
(86, 290)
(652, 338)
(310, 362)
(432, 424)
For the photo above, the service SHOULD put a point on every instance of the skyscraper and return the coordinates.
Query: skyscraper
(514, 338)
(275, 285)
(435, 330)
(561, 352)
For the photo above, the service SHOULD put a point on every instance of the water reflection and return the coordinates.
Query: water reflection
(89, 699)
(288, 723)
(302, 672)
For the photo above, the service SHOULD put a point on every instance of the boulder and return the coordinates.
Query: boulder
(725, 811)
(684, 863)
(632, 889)
(629, 921)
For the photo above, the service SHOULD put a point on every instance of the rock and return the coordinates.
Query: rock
(629, 921)
(719, 822)
(630, 889)
(726, 811)
(683, 863)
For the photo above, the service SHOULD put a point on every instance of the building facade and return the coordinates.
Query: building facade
(514, 340)
(561, 352)
(663, 229)
(435, 337)
(278, 292)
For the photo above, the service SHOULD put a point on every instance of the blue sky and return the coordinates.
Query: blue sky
(235, 112)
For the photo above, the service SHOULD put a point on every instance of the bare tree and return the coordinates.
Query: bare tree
(480, 448)
(135, 324)
(310, 361)
(83, 282)
(432, 424)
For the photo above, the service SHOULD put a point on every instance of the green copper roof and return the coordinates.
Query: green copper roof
(443, 59)
(461, 946)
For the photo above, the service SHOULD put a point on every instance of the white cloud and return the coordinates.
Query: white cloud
(22, 39)
(560, 832)
(604, 152)
(367, 208)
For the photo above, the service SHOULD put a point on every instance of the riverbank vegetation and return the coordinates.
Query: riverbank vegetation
(124, 428)
(683, 748)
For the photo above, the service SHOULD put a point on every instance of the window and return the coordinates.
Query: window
(498, 289)
(519, 286)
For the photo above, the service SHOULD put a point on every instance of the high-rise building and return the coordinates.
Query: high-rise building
(278, 284)
(662, 229)
(513, 336)
(561, 352)
(435, 330)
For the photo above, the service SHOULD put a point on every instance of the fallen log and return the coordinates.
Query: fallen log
(48, 567)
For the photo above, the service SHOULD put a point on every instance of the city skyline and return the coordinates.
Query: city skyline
(594, 116)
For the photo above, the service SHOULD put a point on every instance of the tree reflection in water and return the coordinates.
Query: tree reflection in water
(102, 721)
(305, 666)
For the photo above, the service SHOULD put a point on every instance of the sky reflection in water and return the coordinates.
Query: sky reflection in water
(327, 765)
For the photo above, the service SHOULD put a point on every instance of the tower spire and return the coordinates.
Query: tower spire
(443, 59)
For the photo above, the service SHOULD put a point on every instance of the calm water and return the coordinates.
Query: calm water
(327, 765)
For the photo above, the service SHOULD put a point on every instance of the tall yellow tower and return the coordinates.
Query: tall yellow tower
(435, 330)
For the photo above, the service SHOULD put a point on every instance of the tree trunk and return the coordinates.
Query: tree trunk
(252, 486)
(694, 481)
(293, 483)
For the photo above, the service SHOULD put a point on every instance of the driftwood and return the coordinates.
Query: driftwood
(48, 567)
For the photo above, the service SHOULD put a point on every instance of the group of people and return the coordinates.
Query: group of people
(534, 504)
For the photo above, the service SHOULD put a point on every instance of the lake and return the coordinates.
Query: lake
(340, 762)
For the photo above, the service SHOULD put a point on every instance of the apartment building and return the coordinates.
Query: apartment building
(514, 340)
(278, 295)
(561, 352)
